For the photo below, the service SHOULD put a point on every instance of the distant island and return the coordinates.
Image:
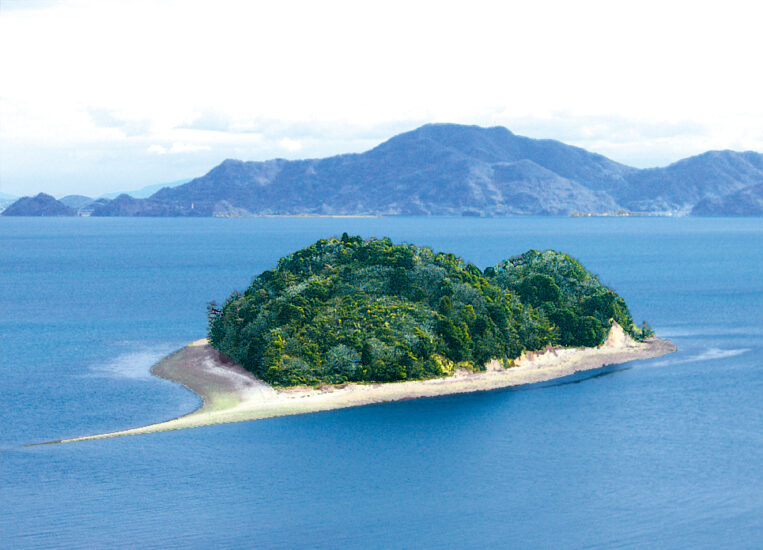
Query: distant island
(449, 169)
(39, 205)
(348, 321)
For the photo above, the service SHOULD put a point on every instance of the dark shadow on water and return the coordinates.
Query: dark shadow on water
(576, 378)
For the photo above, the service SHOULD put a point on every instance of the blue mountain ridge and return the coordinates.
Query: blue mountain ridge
(450, 169)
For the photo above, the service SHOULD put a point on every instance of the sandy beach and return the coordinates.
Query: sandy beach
(229, 393)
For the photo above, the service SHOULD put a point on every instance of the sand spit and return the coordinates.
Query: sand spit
(232, 394)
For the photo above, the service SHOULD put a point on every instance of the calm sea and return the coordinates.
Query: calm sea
(665, 453)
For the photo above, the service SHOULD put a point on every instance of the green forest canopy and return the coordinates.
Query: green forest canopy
(354, 310)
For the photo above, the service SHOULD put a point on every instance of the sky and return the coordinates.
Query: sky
(102, 96)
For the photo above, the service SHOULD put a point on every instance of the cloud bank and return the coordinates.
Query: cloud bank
(100, 94)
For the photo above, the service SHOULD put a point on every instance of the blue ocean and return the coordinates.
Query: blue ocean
(663, 453)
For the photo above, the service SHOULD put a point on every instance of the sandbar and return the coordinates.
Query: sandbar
(230, 393)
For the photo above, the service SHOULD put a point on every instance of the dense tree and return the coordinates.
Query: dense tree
(346, 309)
(580, 308)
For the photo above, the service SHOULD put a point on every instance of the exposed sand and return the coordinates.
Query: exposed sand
(232, 394)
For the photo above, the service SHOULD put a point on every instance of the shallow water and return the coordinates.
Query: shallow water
(662, 453)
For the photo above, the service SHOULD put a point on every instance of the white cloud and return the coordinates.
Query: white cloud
(158, 149)
(177, 147)
(180, 147)
(290, 144)
(257, 79)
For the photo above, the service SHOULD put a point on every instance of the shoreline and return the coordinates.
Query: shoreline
(229, 393)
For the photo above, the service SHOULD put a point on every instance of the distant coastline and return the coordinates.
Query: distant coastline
(231, 394)
(297, 216)
(618, 214)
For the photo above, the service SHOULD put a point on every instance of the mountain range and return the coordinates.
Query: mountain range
(449, 169)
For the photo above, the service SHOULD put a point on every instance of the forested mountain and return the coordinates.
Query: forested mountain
(446, 169)
(683, 184)
(449, 169)
(748, 201)
(436, 170)
(39, 205)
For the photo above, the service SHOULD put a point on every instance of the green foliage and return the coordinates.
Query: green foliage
(349, 310)
(538, 289)
(644, 331)
(580, 308)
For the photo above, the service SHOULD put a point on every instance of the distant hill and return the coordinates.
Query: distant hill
(683, 184)
(125, 205)
(745, 202)
(449, 169)
(144, 192)
(75, 201)
(40, 205)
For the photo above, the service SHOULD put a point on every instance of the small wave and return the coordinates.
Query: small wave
(698, 332)
(134, 365)
(707, 355)
(717, 353)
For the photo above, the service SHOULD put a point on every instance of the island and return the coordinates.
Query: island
(39, 205)
(348, 322)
